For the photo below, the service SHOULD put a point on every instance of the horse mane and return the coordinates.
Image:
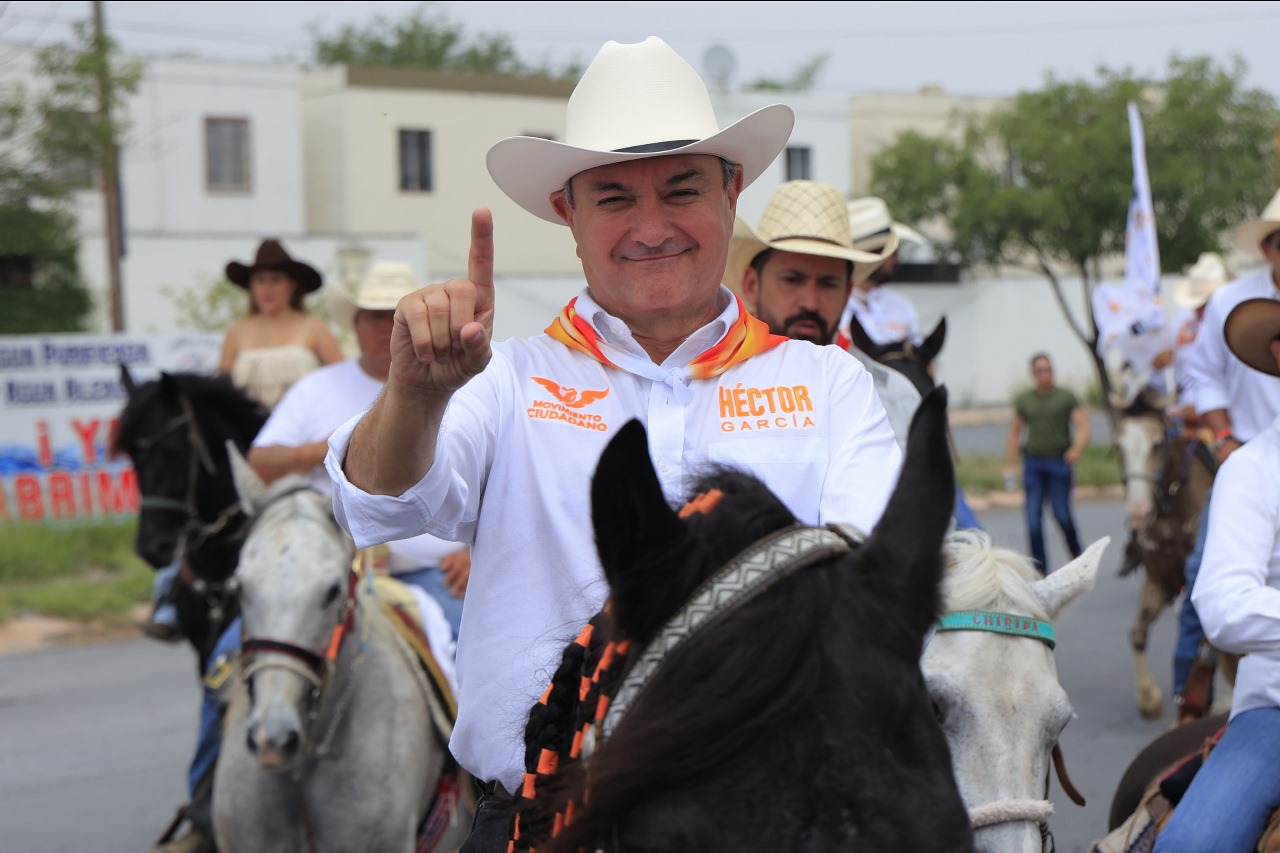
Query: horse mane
(214, 398)
(981, 576)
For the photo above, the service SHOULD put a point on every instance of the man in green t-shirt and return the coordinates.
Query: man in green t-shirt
(1050, 453)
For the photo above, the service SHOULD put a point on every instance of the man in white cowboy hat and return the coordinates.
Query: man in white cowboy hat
(795, 272)
(1237, 595)
(496, 444)
(293, 441)
(1234, 401)
(887, 317)
(1190, 296)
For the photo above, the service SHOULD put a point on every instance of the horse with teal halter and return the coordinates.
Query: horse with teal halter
(990, 672)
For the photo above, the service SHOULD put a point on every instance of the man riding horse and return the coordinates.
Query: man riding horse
(495, 444)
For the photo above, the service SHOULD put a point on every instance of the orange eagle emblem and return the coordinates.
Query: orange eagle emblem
(570, 396)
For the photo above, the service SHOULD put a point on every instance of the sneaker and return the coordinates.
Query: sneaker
(161, 631)
(194, 841)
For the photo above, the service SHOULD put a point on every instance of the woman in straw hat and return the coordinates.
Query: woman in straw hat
(1237, 595)
(277, 342)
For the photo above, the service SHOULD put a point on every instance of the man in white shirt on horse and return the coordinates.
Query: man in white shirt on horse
(887, 317)
(496, 444)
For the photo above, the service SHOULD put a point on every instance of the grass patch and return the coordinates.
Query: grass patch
(76, 571)
(1098, 467)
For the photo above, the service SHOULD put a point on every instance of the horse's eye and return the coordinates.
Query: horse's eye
(332, 595)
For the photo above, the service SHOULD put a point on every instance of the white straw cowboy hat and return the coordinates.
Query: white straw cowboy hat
(379, 290)
(802, 216)
(1249, 330)
(1252, 233)
(1205, 276)
(874, 230)
(634, 101)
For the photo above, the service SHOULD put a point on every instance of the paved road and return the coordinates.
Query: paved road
(94, 741)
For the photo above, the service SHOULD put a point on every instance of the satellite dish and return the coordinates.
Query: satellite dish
(719, 64)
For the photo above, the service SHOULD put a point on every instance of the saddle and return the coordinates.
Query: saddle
(1138, 834)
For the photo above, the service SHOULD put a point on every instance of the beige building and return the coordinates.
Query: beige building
(876, 120)
(390, 150)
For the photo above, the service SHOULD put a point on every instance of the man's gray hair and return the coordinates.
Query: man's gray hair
(727, 169)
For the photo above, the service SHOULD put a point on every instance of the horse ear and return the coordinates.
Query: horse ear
(863, 341)
(906, 545)
(252, 491)
(632, 524)
(932, 345)
(126, 379)
(1062, 587)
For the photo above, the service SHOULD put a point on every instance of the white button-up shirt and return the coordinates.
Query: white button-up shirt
(1237, 593)
(1222, 381)
(886, 316)
(512, 474)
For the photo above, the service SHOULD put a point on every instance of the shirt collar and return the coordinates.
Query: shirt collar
(616, 333)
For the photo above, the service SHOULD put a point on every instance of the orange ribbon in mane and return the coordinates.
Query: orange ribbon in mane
(747, 337)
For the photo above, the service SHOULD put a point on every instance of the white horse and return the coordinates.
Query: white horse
(330, 741)
(989, 669)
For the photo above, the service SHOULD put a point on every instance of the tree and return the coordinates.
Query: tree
(427, 38)
(801, 80)
(51, 146)
(1047, 179)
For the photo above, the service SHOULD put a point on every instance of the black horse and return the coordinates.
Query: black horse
(905, 357)
(791, 717)
(174, 429)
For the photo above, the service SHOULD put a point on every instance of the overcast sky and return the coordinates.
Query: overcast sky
(982, 48)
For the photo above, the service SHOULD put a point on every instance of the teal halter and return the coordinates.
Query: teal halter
(998, 623)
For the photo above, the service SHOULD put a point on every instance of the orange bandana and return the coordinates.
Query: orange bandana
(747, 336)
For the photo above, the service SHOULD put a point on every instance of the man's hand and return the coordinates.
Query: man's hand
(1073, 454)
(1226, 448)
(442, 332)
(457, 571)
(1163, 359)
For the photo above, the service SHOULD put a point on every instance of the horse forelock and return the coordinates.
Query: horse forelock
(980, 576)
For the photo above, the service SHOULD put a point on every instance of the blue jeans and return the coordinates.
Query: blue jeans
(1190, 633)
(209, 739)
(1051, 477)
(431, 581)
(965, 519)
(164, 610)
(1227, 806)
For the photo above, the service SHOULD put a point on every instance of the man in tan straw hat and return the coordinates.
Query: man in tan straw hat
(496, 444)
(1234, 401)
(795, 272)
(293, 441)
(886, 316)
(1235, 791)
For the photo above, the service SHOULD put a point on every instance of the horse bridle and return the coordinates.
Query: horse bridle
(199, 458)
(1015, 811)
(314, 667)
(759, 567)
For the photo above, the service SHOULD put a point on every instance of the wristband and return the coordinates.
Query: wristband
(1222, 435)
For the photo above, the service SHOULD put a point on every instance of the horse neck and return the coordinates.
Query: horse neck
(214, 545)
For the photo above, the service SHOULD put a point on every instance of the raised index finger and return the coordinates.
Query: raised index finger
(480, 260)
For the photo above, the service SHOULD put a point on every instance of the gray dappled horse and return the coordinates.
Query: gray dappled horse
(334, 740)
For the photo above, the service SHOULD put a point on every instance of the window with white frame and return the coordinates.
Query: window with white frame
(226, 155)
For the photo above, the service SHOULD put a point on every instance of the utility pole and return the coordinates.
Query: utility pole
(110, 172)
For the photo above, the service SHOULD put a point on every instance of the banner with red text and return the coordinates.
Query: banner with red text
(60, 398)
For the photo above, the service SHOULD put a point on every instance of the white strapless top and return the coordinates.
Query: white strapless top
(266, 373)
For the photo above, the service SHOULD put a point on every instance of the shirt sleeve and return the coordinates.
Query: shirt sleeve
(1207, 361)
(865, 457)
(1239, 610)
(446, 501)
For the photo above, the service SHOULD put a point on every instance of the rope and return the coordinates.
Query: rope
(1011, 811)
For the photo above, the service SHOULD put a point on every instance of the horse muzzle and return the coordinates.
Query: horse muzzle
(276, 739)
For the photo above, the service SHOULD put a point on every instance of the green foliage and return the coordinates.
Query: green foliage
(208, 309)
(427, 38)
(801, 80)
(53, 143)
(1050, 174)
